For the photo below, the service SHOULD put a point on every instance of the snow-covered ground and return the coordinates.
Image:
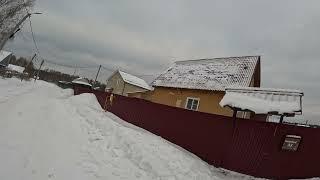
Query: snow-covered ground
(47, 133)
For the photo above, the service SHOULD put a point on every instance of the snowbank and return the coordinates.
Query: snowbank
(46, 133)
(16, 68)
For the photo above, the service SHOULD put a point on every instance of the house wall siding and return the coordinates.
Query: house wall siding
(132, 88)
(120, 87)
(116, 82)
(209, 100)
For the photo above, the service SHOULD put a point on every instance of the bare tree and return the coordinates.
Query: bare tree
(11, 12)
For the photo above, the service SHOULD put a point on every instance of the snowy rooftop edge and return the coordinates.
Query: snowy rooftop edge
(264, 102)
(264, 90)
(134, 80)
(81, 81)
(4, 54)
(214, 74)
(217, 58)
(195, 88)
(16, 68)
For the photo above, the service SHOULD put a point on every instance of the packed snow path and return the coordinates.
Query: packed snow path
(47, 133)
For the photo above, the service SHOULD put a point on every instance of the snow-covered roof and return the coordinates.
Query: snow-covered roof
(209, 74)
(64, 82)
(131, 79)
(16, 68)
(81, 81)
(4, 54)
(264, 100)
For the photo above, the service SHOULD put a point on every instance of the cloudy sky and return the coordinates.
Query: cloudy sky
(145, 37)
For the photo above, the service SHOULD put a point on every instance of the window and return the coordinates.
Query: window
(192, 103)
(243, 115)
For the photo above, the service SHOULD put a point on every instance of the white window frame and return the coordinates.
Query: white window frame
(192, 98)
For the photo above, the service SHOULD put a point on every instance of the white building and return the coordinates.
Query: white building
(123, 83)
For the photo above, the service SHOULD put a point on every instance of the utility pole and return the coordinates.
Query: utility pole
(75, 70)
(14, 30)
(95, 81)
(26, 68)
(39, 71)
(30, 61)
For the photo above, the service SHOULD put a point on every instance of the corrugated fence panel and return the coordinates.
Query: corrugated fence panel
(252, 147)
(300, 164)
(245, 153)
(178, 126)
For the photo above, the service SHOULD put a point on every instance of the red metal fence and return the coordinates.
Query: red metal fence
(252, 147)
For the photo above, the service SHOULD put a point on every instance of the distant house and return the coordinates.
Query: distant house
(82, 82)
(79, 84)
(199, 85)
(65, 84)
(123, 83)
(15, 68)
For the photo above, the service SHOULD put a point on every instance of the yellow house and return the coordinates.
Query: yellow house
(123, 83)
(199, 85)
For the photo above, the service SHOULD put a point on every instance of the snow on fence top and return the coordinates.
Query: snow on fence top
(81, 81)
(16, 68)
(131, 79)
(264, 100)
(4, 54)
(209, 74)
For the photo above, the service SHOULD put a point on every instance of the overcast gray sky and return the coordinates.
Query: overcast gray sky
(145, 36)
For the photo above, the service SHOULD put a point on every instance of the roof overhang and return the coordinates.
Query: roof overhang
(264, 100)
(81, 81)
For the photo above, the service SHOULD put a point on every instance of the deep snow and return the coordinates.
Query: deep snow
(47, 133)
(16, 68)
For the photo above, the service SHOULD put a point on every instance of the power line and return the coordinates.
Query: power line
(108, 69)
(146, 75)
(140, 75)
(33, 38)
(47, 61)
(67, 65)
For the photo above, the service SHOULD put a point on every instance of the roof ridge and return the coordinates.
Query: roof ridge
(119, 70)
(142, 83)
(209, 74)
(229, 57)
